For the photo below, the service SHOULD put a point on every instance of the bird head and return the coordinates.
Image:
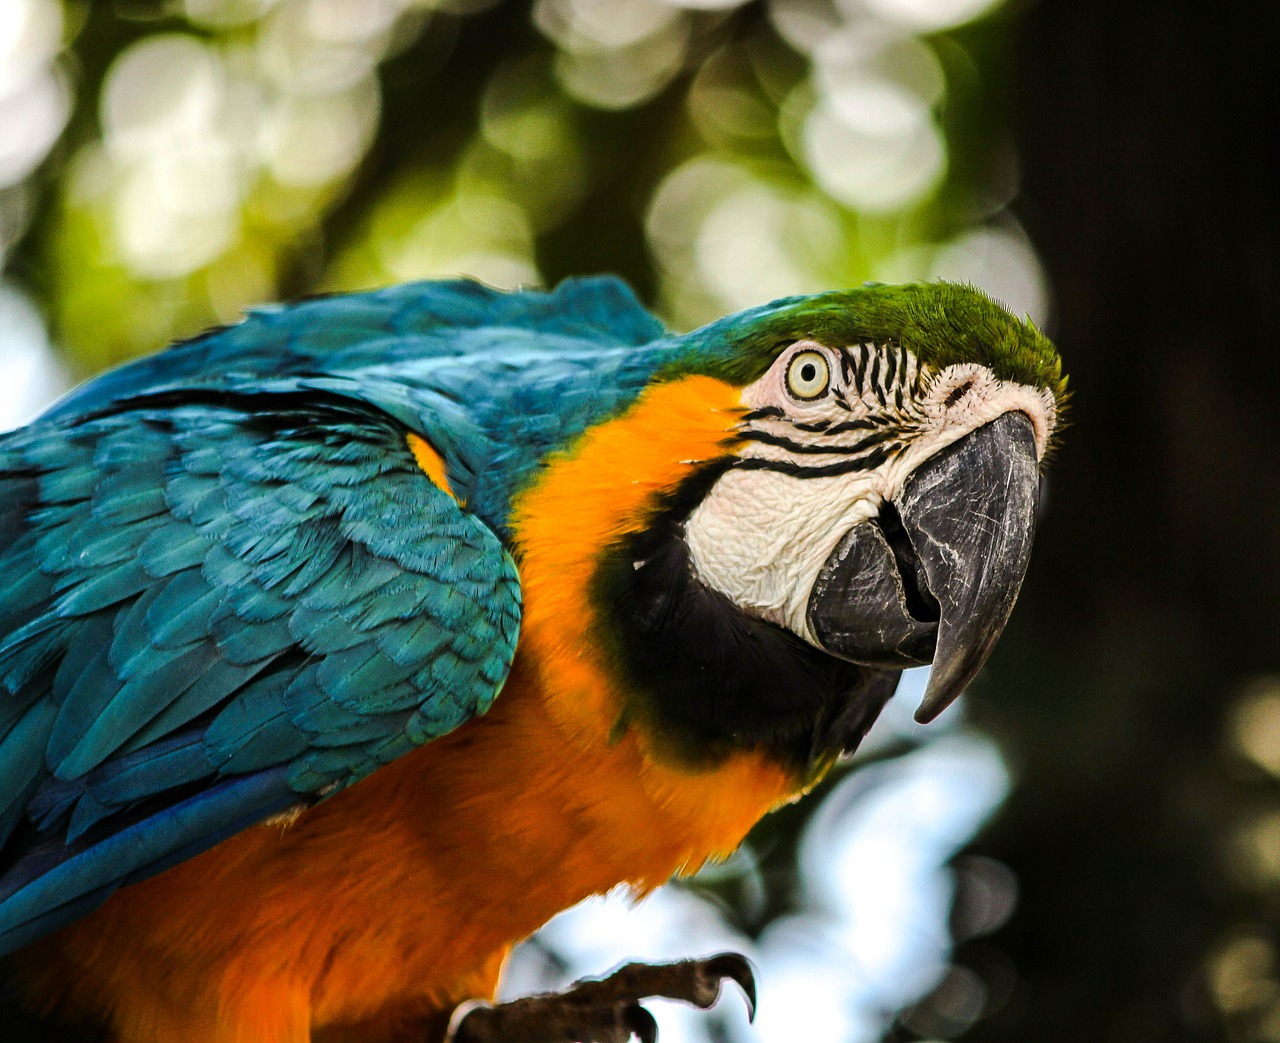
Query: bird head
(867, 504)
(897, 433)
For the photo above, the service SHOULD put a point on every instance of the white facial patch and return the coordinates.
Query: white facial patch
(815, 465)
(760, 538)
(963, 398)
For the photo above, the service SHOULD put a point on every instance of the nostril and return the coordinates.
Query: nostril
(957, 394)
(922, 605)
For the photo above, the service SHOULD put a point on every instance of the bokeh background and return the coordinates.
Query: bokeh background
(1088, 845)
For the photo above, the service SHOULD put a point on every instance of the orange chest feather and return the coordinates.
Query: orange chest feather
(404, 893)
(605, 487)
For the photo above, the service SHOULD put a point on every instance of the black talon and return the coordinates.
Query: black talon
(640, 1023)
(738, 969)
(607, 1010)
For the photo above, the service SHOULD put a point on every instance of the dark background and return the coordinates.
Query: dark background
(1152, 628)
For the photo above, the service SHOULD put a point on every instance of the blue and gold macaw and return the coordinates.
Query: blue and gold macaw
(343, 647)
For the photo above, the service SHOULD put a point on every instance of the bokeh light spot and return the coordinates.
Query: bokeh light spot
(760, 243)
(296, 58)
(34, 97)
(32, 116)
(165, 86)
(226, 13)
(1000, 260)
(30, 35)
(311, 140)
(874, 172)
(30, 374)
(926, 15)
(1242, 971)
(878, 82)
(1255, 725)
(593, 25)
(622, 77)
(482, 236)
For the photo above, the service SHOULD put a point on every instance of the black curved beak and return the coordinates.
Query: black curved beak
(934, 577)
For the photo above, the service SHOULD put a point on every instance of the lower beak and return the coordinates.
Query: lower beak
(934, 577)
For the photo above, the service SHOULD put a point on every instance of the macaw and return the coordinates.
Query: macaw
(343, 647)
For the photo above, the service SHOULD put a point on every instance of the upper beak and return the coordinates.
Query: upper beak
(935, 576)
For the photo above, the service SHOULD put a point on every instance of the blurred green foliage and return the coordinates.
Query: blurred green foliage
(224, 152)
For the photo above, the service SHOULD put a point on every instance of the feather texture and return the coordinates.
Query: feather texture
(214, 646)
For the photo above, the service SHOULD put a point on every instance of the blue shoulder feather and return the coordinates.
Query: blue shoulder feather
(219, 609)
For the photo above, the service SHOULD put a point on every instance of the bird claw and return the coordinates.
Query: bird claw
(604, 1010)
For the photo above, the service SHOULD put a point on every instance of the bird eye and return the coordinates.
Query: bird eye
(808, 374)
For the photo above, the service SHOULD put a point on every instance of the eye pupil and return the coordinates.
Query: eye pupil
(808, 375)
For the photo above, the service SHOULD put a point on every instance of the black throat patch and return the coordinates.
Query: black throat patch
(706, 678)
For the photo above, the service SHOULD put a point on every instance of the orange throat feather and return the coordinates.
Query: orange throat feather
(602, 489)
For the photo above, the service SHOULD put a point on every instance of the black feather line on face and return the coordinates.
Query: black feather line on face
(868, 462)
(868, 423)
(847, 371)
(891, 371)
(819, 448)
(705, 678)
(864, 359)
(764, 413)
(800, 448)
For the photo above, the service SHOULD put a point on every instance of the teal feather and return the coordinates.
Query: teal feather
(320, 546)
(226, 571)
(272, 741)
(323, 633)
(127, 709)
(129, 497)
(414, 640)
(52, 528)
(254, 731)
(348, 676)
(250, 602)
(94, 636)
(194, 604)
(22, 754)
(401, 599)
(26, 651)
(352, 579)
(103, 546)
(126, 450)
(131, 650)
(101, 589)
(87, 695)
(246, 642)
(343, 730)
(210, 690)
(133, 778)
(199, 499)
(172, 548)
(183, 607)
(67, 485)
(88, 812)
(21, 581)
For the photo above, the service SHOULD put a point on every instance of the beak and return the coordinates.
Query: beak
(934, 577)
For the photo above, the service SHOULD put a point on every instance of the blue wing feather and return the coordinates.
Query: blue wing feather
(59, 882)
(331, 335)
(206, 640)
(492, 380)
